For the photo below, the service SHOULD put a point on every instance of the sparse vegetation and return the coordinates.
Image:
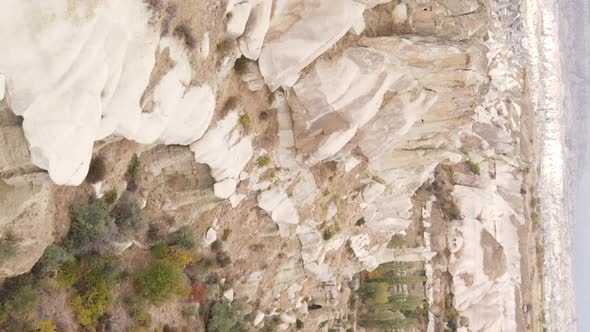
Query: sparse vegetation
(97, 170)
(449, 172)
(454, 212)
(473, 167)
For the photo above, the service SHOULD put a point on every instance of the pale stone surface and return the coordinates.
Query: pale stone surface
(226, 152)
(289, 48)
(75, 83)
(250, 42)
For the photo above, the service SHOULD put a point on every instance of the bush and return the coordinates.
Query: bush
(127, 214)
(160, 280)
(97, 170)
(360, 222)
(110, 197)
(136, 310)
(45, 326)
(199, 293)
(473, 167)
(7, 249)
(133, 169)
(245, 121)
(182, 238)
(222, 259)
(91, 222)
(263, 161)
(226, 234)
(241, 64)
(224, 317)
(93, 278)
(52, 260)
(299, 324)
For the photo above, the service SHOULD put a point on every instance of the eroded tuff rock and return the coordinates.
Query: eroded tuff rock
(26, 226)
(368, 99)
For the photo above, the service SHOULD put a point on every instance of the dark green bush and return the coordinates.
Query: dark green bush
(90, 222)
(183, 238)
(97, 170)
(133, 169)
(127, 214)
(110, 197)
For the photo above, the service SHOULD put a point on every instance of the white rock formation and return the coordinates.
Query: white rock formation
(226, 152)
(300, 33)
(78, 78)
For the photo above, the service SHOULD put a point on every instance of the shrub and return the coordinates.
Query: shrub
(222, 258)
(360, 222)
(454, 211)
(220, 47)
(97, 170)
(299, 324)
(136, 310)
(245, 120)
(7, 249)
(226, 234)
(52, 260)
(224, 317)
(91, 303)
(179, 257)
(473, 167)
(199, 293)
(133, 169)
(45, 326)
(263, 161)
(90, 222)
(127, 213)
(183, 238)
(327, 234)
(94, 277)
(241, 64)
(188, 312)
(160, 280)
(110, 197)
(216, 245)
